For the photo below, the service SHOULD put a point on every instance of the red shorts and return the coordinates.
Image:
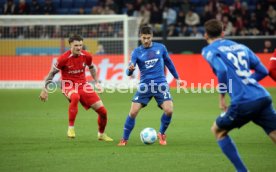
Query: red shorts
(87, 94)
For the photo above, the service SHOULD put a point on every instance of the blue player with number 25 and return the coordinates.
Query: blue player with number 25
(151, 58)
(231, 62)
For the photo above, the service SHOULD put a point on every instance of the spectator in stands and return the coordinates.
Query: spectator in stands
(129, 9)
(81, 12)
(112, 5)
(180, 19)
(192, 18)
(35, 7)
(170, 15)
(23, 8)
(107, 10)
(172, 31)
(260, 13)
(267, 26)
(227, 25)
(48, 7)
(100, 49)
(97, 10)
(144, 13)
(207, 14)
(156, 15)
(184, 31)
(239, 24)
(196, 33)
(137, 4)
(185, 6)
(9, 7)
(272, 14)
(110, 31)
(253, 25)
(267, 47)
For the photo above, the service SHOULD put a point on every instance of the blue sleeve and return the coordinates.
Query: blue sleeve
(132, 61)
(220, 70)
(260, 70)
(218, 66)
(169, 64)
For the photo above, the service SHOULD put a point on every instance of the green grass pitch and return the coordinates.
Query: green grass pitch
(33, 137)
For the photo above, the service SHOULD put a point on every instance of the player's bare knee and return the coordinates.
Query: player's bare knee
(214, 129)
(168, 111)
(272, 135)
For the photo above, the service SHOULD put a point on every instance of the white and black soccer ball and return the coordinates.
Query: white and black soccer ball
(148, 136)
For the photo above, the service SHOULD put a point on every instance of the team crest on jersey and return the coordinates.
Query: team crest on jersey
(150, 63)
(158, 52)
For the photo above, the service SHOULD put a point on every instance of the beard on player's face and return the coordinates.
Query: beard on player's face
(146, 40)
(146, 43)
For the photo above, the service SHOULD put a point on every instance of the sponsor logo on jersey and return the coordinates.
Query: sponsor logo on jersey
(150, 63)
(75, 71)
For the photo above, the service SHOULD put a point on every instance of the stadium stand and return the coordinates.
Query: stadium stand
(243, 17)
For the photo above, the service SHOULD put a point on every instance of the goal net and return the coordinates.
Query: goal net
(31, 44)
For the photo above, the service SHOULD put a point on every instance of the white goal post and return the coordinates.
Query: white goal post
(30, 44)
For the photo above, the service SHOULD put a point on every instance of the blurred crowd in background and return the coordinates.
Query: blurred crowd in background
(181, 17)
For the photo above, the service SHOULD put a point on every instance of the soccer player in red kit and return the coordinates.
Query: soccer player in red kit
(272, 66)
(72, 66)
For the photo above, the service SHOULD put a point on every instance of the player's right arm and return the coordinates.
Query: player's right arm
(260, 70)
(272, 66)
(132, 64)
(44, 92)
(218, 66)
(220, 70)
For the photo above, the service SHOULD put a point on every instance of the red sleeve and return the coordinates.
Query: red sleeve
(60, 63)
(272, 66)
(88, 58)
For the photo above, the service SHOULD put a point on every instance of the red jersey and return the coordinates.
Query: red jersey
(272, 66)
(73, 67)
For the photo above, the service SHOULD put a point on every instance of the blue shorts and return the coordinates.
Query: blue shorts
(160, 93)
(259, 111)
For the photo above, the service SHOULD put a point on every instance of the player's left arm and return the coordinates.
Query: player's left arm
(260, 70)
(93, 72)
(168, 62)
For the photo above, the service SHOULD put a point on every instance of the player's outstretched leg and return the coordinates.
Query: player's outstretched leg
(228, 147)
(73, 110)
(102, 120)
(129, 125)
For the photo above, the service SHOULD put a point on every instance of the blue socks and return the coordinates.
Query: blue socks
(165, 121)
(229, 149)
(129, 125)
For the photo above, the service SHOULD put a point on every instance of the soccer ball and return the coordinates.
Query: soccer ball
(148, 136)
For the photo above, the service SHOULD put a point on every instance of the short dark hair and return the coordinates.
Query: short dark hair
(146, 30)
(213, 28)
(75, 38)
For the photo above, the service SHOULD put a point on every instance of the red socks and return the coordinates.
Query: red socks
(73, 108)
(102, 118)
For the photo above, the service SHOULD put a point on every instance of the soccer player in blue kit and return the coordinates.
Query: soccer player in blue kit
(151, 58)
(231, 62)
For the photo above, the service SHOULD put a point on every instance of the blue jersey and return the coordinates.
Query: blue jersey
(151, 62)
(231, 62)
